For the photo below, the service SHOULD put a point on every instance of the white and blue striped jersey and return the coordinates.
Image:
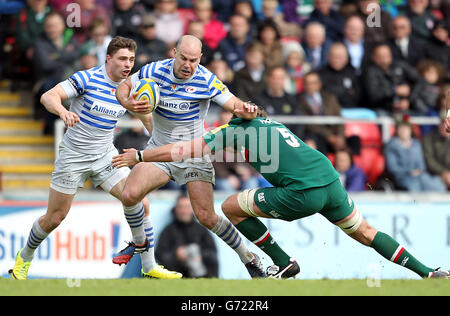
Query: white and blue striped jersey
(183, 104)
(93, 99)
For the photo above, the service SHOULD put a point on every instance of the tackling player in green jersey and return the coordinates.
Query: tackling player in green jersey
(304, 183)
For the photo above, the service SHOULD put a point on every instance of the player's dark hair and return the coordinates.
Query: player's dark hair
(120, 42)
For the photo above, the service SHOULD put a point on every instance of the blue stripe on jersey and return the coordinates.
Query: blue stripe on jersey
(211, 80)
(102, 83)
(98, 118)
(98, 97)
(176, 95)
(82, 78)
(88, 101)
(86, 107)
(176, 119)
(82, 119)
(178, 115)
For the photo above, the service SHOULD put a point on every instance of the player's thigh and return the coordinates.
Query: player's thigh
(58, 207)
(241, 205)
(144, 178)
(288, 204)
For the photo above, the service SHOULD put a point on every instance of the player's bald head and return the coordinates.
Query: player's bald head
(191, 44)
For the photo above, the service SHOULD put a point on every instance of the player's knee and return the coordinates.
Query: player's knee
(130, 197)
(53, 221)
(204, 217)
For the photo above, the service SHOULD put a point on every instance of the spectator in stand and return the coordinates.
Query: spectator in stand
(339, 77)
(296, 67)
(438, 47)
(99, 38)
(274, 98)
(169, 25)
(433, 75)
(89, 10)
(422, 20)
(245, 8)
(316, 45)
(391, 86)
(350, 175)
(187, 246)
(87, 61)
(377, 27)
(270, 10)
(149, 48)
(269, 36)
(127, 18)
(404, 46)
(316, 101)
(251, 80)
(436, 145)
(330, 18)
(28, 26)
(214, 30)
(405, 160)
(358, 48)
(234, 45)
(224, 9)
(55, 54)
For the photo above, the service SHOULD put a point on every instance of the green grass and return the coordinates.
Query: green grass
(217, 287)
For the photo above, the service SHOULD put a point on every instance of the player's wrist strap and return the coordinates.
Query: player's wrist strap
(139, 156)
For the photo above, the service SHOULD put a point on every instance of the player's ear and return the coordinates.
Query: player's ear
(108, 58)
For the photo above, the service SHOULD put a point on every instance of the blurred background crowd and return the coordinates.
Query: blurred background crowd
(348, 58)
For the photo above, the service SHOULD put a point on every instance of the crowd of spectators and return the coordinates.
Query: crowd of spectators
(294, 57)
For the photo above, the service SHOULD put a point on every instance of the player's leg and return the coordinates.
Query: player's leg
(358, 228)
(202, 201)
(135, 217)
(58, 207)
(242, 211)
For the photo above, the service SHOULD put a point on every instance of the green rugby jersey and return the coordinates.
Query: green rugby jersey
(273, 150)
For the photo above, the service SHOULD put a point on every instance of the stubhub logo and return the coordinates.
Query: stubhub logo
(81, 247)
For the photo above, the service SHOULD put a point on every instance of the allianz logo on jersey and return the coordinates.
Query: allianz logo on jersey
(108, 109)
(183, 106)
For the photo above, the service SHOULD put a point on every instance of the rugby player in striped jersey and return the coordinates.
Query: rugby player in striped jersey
(186, 90)
(86, 151)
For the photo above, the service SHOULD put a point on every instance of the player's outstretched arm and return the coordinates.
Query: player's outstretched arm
(128, 101)
(52, 100)
(167, 153)
(241, 109)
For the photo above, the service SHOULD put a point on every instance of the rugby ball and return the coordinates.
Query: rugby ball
(147, 89)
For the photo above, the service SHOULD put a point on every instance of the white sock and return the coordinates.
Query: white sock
(135, 218)
(225, 230)
(148, 257)
(35, 238)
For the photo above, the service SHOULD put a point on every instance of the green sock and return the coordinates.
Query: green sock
(255, 231)
(390, 249)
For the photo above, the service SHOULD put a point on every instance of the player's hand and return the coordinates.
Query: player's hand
(247, 111)
(136, 106)
(69, 118)
(127, 159)
(447, 124)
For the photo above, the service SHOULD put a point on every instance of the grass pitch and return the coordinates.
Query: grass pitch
(218, 287)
